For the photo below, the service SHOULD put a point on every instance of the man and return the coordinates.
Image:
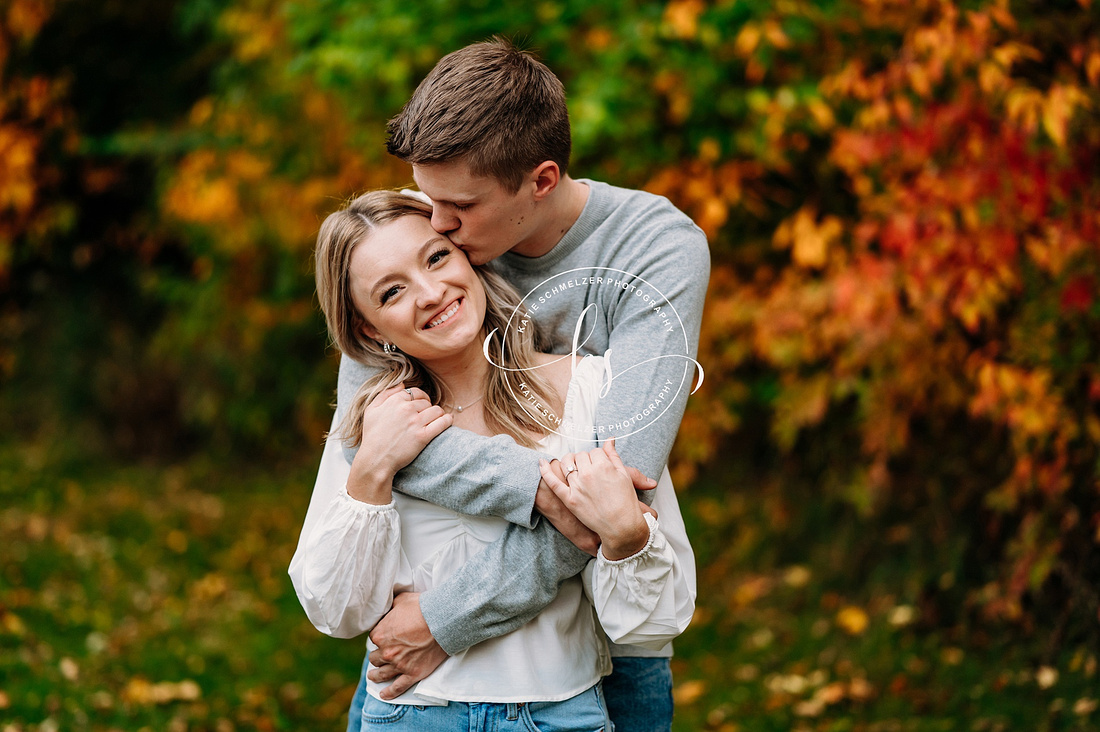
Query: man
(487, 135)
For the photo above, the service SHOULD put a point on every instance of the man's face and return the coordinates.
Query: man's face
(478, 214)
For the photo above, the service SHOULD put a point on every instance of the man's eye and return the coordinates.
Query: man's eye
(462, 206)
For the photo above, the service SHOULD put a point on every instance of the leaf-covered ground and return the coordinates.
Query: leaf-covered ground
(155, 597)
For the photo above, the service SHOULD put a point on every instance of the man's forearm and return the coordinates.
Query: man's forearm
(503, 587)
(459, 470)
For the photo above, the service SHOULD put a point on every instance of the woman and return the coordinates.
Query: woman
(401, 297)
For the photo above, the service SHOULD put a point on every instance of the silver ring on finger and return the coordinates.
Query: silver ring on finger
(569, 470)
(409, 392)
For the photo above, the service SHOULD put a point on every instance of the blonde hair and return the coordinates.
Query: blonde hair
(345, 229)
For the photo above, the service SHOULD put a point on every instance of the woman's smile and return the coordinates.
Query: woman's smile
(445, 315)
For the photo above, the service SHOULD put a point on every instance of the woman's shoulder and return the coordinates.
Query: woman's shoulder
(557, 368)
(560, 370)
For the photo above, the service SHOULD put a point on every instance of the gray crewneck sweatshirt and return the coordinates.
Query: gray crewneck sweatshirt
(637, 268)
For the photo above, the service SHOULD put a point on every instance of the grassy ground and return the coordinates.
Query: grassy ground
(155, 597)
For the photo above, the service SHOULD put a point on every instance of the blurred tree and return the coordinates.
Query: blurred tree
(901, 199)
(80, 235)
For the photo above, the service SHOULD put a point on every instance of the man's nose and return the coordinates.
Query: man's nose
(442, 221)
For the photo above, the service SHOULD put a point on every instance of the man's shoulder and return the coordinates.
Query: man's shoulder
(636, 202)
(638, 222)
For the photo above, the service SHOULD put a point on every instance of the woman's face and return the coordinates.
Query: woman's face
(417, 290)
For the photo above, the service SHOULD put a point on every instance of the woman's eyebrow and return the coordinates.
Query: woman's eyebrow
(420, 254)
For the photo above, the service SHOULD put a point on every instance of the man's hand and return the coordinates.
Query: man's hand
(406, 651)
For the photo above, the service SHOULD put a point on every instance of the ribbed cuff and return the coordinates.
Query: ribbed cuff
(446, 621)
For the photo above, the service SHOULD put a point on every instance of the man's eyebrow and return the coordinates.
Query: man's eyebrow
(457, 201)
(420, 254)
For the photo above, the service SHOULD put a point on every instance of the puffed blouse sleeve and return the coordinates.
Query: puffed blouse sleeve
(349, 561)
(646, 599)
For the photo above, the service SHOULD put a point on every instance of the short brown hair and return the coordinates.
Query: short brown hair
(491, 104)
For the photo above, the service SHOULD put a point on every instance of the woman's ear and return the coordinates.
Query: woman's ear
(368, 331)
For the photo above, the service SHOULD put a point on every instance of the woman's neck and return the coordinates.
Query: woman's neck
(464, 376)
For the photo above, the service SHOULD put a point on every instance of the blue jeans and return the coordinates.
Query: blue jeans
(639, 694)
(584, 712)
(355, 714)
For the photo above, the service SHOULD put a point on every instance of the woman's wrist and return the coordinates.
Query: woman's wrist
(370, 481)
(626, 543)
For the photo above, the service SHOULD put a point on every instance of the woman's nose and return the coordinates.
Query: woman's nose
(430, 293)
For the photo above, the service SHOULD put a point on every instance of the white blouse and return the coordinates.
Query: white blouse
(353, 557)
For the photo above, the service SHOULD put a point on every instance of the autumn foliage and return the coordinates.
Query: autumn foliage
(902, 200)
(949, 297)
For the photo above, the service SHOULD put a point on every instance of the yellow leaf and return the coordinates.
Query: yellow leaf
(689, 692)
(747, 40)
(852, 620)
(1023, 106)
(1092, 68)
(1085, 706)
(682, 16)
(775, 35)
(1057, 110)
(797, 576)
(11, 624)
(831, 693)
(860, 689)
(1046, 677)
(822, 113)
(810, 240)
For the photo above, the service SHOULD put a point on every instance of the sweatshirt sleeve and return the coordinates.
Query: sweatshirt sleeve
(501, 588)
(459, 470)
(654, 331)
(515, 577)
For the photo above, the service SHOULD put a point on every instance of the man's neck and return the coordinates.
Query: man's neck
(560, 211)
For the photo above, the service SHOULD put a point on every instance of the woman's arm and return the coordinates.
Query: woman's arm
(644, 594)
(349, 562)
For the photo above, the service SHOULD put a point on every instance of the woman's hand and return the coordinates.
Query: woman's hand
(601, 494)
(397, 425)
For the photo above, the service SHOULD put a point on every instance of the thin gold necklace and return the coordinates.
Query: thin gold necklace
(460, 408)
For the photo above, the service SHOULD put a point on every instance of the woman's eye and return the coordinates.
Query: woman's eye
(438, 256)
(388, 294)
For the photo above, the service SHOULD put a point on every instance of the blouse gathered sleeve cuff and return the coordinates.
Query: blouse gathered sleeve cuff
(350, 566)
(645, 599)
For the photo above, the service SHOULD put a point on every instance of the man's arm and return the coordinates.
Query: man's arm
(460, 470)
(514, 578)
(509, 592)
(507, 588)
(477, 475)
(651, 379)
